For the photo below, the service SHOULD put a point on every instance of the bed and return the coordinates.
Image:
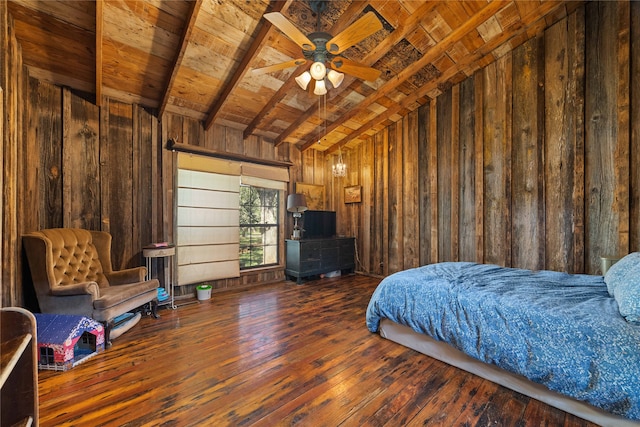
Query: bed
(571, 341)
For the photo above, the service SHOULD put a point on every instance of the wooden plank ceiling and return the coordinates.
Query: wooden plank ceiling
(195, 58)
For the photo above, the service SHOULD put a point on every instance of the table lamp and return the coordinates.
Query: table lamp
(297, 204)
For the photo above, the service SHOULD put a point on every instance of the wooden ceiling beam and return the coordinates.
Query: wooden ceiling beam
(256, 45)
(192, 16)
(509, 33)
(273, 101)
(445, 44)
(99, 34)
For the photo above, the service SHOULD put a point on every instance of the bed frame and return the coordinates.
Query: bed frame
(439, 350)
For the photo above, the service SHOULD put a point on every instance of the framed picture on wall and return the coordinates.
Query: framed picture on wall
(314, 194)
(353, 194)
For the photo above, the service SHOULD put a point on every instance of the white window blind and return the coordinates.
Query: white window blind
(207, 219)
(270, 173)
(207, 214)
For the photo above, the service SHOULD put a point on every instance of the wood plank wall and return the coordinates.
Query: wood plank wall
(100, 168)
(86, 168)
(607, 145)
(634, 88)
(531, 162)
(108, 168)
(5, 297)
(11, 149)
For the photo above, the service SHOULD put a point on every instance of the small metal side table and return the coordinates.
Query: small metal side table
(168, 254)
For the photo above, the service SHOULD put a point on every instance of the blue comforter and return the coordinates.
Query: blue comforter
(557, 329)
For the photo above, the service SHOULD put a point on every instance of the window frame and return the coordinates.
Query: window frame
(277, 215)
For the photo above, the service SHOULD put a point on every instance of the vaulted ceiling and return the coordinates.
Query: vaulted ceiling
(196, 58)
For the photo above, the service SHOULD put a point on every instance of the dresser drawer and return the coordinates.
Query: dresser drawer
(311, 265)
(307, 258)
(310, 247)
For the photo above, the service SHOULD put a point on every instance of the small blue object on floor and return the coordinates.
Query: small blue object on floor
(163, 295)
(122, 318)
(123, 323)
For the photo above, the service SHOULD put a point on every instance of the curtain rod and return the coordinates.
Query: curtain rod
(187, 148)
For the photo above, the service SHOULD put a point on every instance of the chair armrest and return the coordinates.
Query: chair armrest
(85, 288)
(129, 275)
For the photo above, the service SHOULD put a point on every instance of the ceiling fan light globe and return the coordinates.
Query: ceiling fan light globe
(335, 78)
(318, 70)
(321, 88)
(303, 80)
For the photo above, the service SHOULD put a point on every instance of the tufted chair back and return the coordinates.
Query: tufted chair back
(75, 257)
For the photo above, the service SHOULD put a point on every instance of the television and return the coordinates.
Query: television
(318, 224)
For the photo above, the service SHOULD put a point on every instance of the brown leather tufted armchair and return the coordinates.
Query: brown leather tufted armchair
(72, 274)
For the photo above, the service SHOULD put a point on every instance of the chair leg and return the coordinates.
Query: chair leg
(107, 334)
(153, 309)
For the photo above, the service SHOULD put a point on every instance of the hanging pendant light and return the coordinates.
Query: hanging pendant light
(339, 169)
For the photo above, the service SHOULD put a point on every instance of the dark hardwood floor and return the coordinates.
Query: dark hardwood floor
(282, 354)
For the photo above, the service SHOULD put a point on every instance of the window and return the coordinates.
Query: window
(259, 227)
(209, 219)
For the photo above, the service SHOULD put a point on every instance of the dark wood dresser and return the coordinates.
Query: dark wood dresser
(318, 256)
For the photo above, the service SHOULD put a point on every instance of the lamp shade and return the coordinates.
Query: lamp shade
(321, 88)
(335, 78)
(296, 203)
(318, 70)
(303, 80)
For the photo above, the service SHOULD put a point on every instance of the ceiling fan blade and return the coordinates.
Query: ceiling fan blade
(354, 33)
(280, 66)
(290, 30)
(355, 69)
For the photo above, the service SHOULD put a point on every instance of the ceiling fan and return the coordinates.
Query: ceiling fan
(324, 50)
